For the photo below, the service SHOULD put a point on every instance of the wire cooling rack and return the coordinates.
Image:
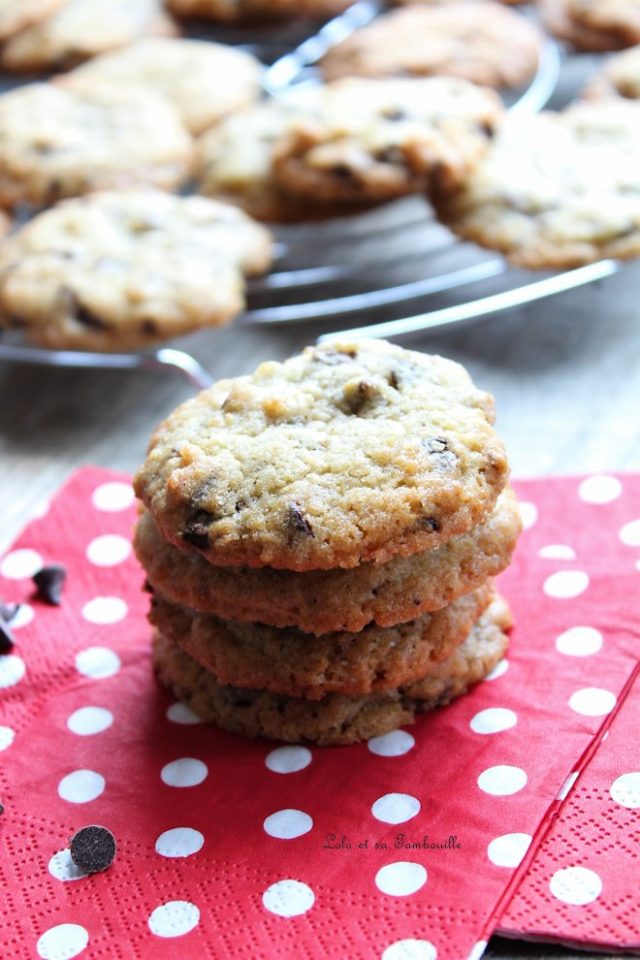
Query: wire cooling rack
(389, 272)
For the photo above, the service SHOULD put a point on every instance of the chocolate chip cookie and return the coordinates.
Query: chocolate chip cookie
(232, 10)
(57, 142)
(557, 190)
(342, 455)
(124, 269)
(482, 42)
(335, 719)
(15, 15)
(205, 81)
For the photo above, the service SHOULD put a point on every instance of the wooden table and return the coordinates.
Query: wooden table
(565, 373)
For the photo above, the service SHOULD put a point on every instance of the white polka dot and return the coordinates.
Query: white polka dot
(410, 949)
(62, 867)
(493, 720)
(105, 610)
(181, 713)
(498, 671)
(630, 534)
(21, 564)
(393, 744)
(478, 949)
(174, 919)
(185, 772)
(592, 701)
(24, 615)
(89, 720)
(402, 878)
(509, 849)
(81, 786)
(288, 898)
(557, 551)
(600, 489)
(108, 550)
(502, 780)
(288, 759)
(565, 789)
(7, 736)
(576, 885)
(528, 514)
(112, 497)
(97, 662)
(179, 842)
(626, 790)
(579, 642)
(288, 824)
(63, 942)
(566, 584)
(12, 670)
(395, 807)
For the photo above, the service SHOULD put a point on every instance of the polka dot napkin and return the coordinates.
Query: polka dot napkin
(405, 848)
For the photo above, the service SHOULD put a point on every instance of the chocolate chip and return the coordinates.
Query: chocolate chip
(392, 380)
(147, 586)
(390, 155)
(333, 357)
(49, 583)
(488, 130)
(149, 328)
(358, 395)
(429, 523)
(342, 172)
(196, 531)
(297, 523)
(93, 849)
(441, 456)
(394, 113)
(78, 311)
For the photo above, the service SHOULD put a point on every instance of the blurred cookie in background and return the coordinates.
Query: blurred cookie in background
(620, 76)
(234, 10)
(17, 14)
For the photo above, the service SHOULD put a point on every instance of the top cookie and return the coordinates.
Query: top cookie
(57, 142)
(205, 81)
(17, 14)
(483, 42)
(557, 190)
(231, 10)
(82, 29)
(579, 23)
(370, 140)
(343, 454)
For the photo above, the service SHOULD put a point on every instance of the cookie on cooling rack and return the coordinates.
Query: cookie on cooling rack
(485, 43)
(297, 664)
(232, 10)
(205, 81)
(325, 601)
(378, 139)
(620, 76)
(15, 15)
(79, 29)
(119, 270)
(57, 142)
(557, 190)
(361, 452)
(597, 25)
(335, 719)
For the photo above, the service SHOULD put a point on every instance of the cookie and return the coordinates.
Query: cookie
(335, 719)
(124, 269)
(620, 77)
(233, 10)
(205, 81)
(298, 664)
(234, 160)
(557, 190)
(324, 601)
(80, 29)
(371, 140)
(57, 142)
(558, 17)
(15, 15)
(617, 19)
(484, 43)
(342, 455)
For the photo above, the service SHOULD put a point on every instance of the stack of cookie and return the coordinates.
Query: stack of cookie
(319, 540)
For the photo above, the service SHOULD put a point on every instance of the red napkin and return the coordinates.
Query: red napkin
(406, 848)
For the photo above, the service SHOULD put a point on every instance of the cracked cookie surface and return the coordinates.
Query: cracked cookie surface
(557, 190)
(123, 269)
(344, 454)
(335, 719)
